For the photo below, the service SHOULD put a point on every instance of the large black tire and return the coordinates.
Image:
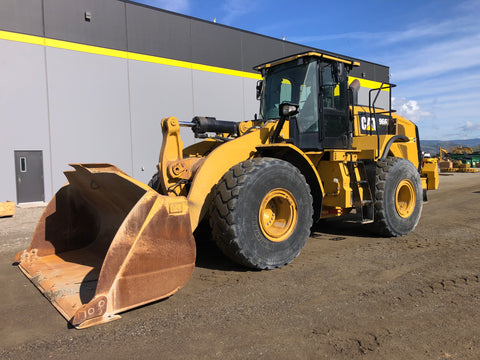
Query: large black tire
(154, 181)
(398, 197)
(249, 204)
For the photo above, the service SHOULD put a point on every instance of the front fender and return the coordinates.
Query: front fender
(217, 163)
(297, 158)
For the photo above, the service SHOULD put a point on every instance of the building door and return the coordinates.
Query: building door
(29, 176)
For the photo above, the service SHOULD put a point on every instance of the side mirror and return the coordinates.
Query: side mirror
(288, 109)
(259, 89)
(353, 89)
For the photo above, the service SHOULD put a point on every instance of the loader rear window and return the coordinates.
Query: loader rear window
(333, 95)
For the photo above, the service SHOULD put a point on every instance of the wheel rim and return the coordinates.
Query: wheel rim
(278, 215)
(405, 198)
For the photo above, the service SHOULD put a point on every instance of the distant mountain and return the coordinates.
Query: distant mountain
(431, 146)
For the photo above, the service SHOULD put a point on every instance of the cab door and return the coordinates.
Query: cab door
(323, 120)
(305, 127)
(334, 114)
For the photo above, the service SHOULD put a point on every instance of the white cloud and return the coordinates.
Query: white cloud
(180, 6)
(464, 83)
(440, 70)
(437, 59)
(469, 126)
(435, 63)
(233, 9)
(409, 109)
(414, 32)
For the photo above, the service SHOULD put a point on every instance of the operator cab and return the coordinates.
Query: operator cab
(318, 85)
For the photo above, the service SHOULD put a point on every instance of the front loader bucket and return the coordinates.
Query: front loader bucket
(107, 243)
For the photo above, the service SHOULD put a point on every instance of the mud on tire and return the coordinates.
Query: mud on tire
(247, 203)
(398, 197)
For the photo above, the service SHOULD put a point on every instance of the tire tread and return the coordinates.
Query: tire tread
(381, 225)
(222, 213)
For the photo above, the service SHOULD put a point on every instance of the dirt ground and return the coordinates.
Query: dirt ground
(349, 295)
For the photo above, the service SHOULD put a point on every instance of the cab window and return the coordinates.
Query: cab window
(297, 84)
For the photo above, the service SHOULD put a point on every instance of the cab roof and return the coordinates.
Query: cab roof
(306, 54)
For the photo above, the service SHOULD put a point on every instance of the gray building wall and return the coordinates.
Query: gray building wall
(78, 106)
(24, 122)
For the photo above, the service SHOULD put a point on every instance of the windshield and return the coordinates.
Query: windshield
(294, 83)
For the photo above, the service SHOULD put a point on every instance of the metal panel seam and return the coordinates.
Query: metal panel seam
(129, 94)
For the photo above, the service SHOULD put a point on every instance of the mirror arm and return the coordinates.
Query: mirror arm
(292, 109)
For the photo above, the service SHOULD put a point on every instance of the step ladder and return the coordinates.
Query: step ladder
(364, 207)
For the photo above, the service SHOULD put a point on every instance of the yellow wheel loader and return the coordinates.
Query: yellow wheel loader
(107, 243)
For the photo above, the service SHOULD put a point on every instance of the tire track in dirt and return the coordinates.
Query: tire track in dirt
(444, 286)
(348, 343)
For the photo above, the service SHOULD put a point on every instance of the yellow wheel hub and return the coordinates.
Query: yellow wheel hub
(405, 198)
(278, 215)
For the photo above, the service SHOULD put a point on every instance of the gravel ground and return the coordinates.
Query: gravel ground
(348, 295)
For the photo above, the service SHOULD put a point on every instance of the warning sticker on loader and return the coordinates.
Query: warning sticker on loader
(370, 123)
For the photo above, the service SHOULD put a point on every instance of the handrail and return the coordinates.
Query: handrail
(371, 105)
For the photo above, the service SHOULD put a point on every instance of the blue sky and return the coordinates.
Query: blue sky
(431, 46)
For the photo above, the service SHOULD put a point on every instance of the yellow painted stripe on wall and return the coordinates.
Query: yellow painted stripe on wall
(60, 44)
(193, 66)
(30, 39)
(67, 45)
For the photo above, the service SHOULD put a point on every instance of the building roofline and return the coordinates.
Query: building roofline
(350, 58)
